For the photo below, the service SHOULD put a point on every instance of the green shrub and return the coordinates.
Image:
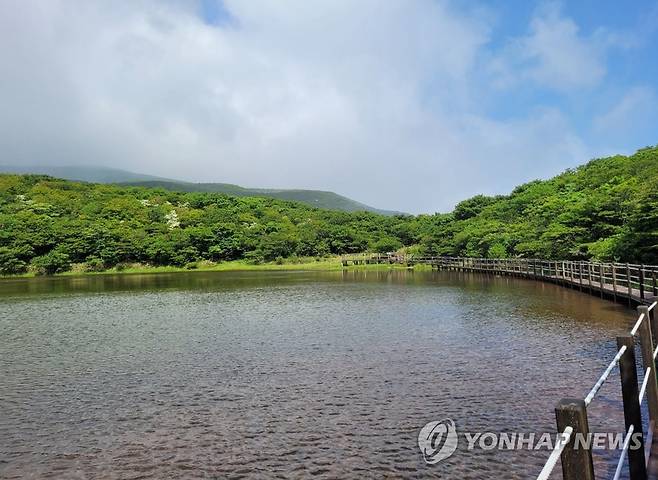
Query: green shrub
(497, 250)
(94, 264)
(386, 244)
(10, 262)
(51, 263)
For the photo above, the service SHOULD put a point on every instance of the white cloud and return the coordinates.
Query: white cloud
(554, 54)
(372, 99)
(638, 103)
(628, 115)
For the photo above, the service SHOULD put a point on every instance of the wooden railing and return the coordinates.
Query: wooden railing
(574, 449)
(631, 282)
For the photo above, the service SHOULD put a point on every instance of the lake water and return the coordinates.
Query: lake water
(291, 374)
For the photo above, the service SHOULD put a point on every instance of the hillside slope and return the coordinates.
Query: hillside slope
(314, 198)
(606, 209)
(46, 224)
(81, 173)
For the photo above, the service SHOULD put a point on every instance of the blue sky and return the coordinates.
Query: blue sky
(631, 62)
(431, 101)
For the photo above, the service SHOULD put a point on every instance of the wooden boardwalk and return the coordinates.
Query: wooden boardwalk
(622, 282)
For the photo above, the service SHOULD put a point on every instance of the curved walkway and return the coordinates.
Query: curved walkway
(623, 282)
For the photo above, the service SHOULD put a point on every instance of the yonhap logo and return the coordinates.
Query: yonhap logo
(438, 440)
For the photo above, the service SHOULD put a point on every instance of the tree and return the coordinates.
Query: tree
(386, 245)
(472, 207)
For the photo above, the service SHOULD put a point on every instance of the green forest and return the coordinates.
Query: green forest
(606, 210)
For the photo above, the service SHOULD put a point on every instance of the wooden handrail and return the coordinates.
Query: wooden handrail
(622, 281)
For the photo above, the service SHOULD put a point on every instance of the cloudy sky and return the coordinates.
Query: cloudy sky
(409, 105)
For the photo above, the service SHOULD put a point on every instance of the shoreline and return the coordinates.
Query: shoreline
(332, 264)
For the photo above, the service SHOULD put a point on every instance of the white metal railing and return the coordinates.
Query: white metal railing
(633, 400)
(564, 438)
(597, 386)
(624, 453)
(637, 325)
(645, 382)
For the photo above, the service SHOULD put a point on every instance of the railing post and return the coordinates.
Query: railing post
(630, 284)
(576, 462)
(565, 271)
(521, 268)
(646, 344)
(564, 274)
(572, 272)
(601, 267)
(527, 268)
(642, 282)
(632, 412)
(614, 282)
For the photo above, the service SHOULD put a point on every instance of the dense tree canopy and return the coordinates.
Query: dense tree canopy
(605, 210)
(49, 224)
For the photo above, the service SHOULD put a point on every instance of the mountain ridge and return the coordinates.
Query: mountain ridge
(315, 198)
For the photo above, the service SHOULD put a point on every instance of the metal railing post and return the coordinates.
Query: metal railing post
(632, 412)
(576, 459)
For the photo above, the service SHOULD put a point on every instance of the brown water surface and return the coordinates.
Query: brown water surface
(291, 374)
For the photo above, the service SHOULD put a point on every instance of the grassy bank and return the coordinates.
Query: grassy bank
(326, 264)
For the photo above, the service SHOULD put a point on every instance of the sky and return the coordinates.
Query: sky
(408, 105)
